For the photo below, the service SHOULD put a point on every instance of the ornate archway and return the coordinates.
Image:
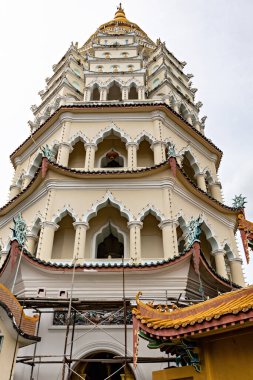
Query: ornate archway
(101, 370)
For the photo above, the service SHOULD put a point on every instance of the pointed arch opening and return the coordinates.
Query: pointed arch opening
(101, 370)
(114, 92)
(189, 166)
(64, 239)
(145, 155)
(108, 235)
(95, 93)
(109, 243)
(32, 246)
(208, 244)
(77, 156)
(111, 152)
(133, 93)
(151, 238)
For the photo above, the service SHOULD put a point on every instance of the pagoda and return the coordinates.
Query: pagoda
(117, 184)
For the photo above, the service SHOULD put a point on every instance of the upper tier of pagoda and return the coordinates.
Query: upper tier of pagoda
(118, 25)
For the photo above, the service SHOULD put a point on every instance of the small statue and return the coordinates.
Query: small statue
(47, 152)
(193, 232)
(19, 230)
(171, 150)
(239, 201)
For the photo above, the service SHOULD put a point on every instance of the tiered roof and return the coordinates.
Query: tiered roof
(227, 311)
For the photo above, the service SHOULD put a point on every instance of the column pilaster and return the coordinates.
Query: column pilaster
(103, 93)
(46, 240)
(216, 191)
(159, 152)
(236, 271)
(80, 239)
(169, 234)
(26, 180)
(220, 262)
(132, 155)
(125, 93)
(14, 190)
(90, 156)
(135, 240)
(200, 177)
(31, 242)
(63, 154)
(141, 93)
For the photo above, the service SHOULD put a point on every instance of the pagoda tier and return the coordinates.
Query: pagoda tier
(117, 185)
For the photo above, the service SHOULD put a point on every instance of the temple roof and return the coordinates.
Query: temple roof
(222, 312)
(22, 323)
(119, 21)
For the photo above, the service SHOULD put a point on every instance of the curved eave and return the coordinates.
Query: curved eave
(119, 174)
(111, 267)
(23, 336)
(119, 107)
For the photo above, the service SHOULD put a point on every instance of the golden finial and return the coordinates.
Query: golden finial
(120, 14)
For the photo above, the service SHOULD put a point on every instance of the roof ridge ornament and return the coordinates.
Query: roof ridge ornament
(193, 232)
(19, 230)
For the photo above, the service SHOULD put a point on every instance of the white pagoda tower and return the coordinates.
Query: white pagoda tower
(117, 178)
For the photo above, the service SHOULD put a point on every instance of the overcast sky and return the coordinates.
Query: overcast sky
(214, 37)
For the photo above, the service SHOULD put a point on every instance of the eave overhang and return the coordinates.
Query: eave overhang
(119, 107)
(117, 174)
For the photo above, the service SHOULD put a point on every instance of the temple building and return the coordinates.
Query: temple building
(118, 188)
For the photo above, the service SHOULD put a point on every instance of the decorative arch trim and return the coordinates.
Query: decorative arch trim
(112, 128)
(108, 198)
(78, 136)
(61, 213)
(151, 209)
(144, 135)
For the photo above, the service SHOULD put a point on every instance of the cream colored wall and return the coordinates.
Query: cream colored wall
(7, 351)
(108, 67)
(116, 53)
(151, 238)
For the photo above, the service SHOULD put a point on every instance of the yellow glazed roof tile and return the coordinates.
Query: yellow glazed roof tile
(229, 303)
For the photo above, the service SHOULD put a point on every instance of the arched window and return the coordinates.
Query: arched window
(151, 238)
(107, 55)
(112, 159)
(111, 152)
(77, 156)
(180, 239)
(114, 92)
(145, 155)
(208, 244)
(108, 235)
(115, 68)
(100, 68)
(100, 370)
(124, 54)
(133, 93)
(130, 67)
(64, 239)
(95, 95)
(109, 243)
(188, 168)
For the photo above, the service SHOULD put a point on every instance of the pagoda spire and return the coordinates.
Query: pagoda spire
(120, 14)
